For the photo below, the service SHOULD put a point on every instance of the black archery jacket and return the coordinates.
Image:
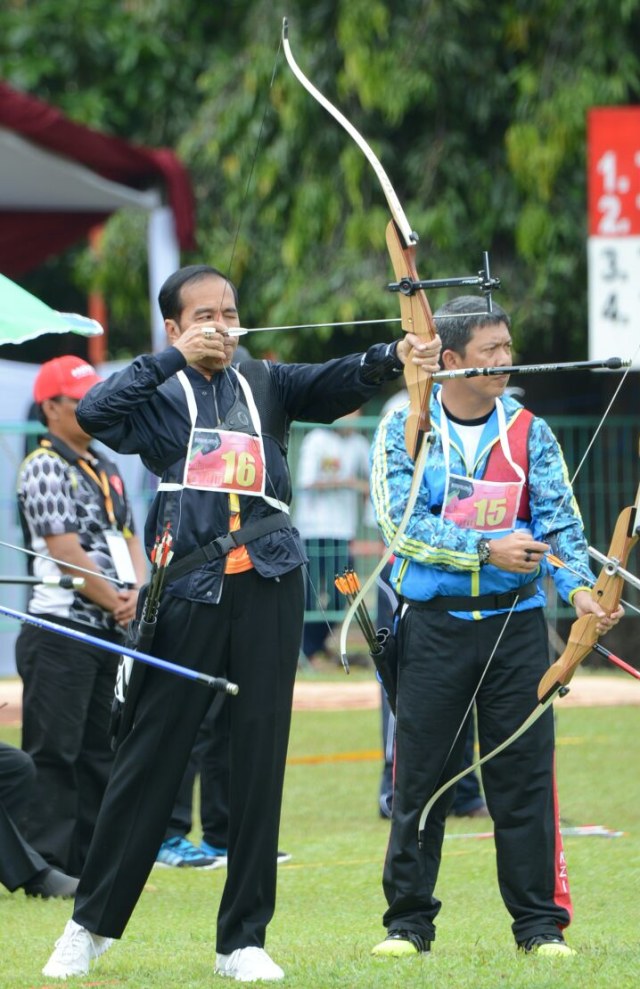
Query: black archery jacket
(143, 410)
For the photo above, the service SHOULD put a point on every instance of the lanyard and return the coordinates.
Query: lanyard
(103, 483)
(472, 503)
(502, 433)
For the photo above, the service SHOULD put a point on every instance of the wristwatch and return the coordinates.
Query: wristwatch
(484, 551)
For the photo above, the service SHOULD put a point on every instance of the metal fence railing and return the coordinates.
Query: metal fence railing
(606, 482)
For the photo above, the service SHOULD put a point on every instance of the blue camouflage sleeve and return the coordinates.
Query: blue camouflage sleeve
(555, 515)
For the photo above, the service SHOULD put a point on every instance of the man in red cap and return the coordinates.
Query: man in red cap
(74, 510)
(67, 376)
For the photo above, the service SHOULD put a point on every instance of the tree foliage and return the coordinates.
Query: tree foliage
(477, 112)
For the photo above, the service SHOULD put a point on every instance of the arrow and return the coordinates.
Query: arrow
(610, 363)
(216, 683)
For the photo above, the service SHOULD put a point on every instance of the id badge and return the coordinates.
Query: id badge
(121, 556)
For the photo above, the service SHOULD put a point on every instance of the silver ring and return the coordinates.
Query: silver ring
(208, 334)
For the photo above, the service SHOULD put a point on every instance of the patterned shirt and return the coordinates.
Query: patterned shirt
(58, 494)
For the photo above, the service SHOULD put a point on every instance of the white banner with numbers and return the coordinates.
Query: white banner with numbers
(614, 233)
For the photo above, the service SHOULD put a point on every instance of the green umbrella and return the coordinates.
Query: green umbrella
(24, 317)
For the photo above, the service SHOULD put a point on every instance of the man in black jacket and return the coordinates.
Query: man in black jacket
(217, 437)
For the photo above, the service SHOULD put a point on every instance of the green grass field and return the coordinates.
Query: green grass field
(330, 900)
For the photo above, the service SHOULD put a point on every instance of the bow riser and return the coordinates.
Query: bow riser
(582, 638)
(607, 591)
(416, 317)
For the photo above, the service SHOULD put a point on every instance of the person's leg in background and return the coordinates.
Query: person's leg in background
(177, 850)
(314, 633)
(387, 602)
(327, 557)
(214, 780)
(388, 735)
(95, 757)
(58, 688)
(20, 864)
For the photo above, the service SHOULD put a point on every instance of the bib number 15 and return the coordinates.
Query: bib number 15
(490, 512)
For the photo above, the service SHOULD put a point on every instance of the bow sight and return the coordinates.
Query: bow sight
(483, 280)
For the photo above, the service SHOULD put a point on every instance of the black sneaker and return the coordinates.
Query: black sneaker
(546, 945)
(51, 883)
(400, 944)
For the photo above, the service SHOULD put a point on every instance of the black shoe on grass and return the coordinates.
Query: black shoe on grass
(547, 946)
(402, 944)
(50, 884)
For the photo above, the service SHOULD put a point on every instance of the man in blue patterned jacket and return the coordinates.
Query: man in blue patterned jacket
(495, 497)
(217, 437)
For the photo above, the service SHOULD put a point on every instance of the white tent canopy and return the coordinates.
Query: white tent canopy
(32, 178)
(58, 179)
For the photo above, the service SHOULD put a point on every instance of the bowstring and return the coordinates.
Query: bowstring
(593, 438)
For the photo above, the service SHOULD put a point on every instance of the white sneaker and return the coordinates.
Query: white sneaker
(74, 950)
(248, 965)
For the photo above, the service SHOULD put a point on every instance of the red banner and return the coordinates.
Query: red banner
(614, 171)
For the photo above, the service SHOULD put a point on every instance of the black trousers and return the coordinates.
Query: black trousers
(67, 695)
(252, 636)
(441, 662)
(467, 794)
(19, 862)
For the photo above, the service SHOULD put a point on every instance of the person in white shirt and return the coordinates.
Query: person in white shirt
(332, 490)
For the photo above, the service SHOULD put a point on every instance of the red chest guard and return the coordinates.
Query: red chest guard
(497, 467)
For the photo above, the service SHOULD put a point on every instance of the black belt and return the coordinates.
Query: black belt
(224, 544)
(484, 602)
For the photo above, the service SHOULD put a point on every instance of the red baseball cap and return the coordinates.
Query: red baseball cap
(67, 375)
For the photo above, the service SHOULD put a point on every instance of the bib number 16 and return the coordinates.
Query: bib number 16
(239, 468)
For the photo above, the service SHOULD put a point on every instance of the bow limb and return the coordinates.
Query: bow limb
(537, 712)
(416, 316)
(397, 212)
(607, 591)
(557, 689)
